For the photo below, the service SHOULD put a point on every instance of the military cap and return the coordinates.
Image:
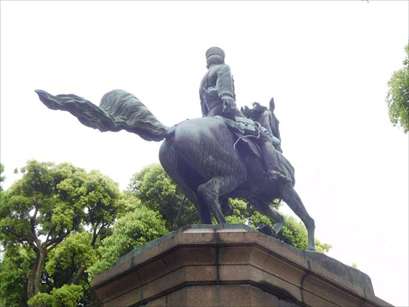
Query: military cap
(214, 51)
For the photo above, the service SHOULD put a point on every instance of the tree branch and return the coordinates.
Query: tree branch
(33, 224)
(21, 240)
(54, 242)
(94, 235)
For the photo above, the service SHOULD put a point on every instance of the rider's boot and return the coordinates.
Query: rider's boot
(277, 175)
(271, 162)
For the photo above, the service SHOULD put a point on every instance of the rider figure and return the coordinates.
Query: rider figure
(217, 97)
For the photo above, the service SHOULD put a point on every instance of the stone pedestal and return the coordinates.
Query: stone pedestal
(230, 265)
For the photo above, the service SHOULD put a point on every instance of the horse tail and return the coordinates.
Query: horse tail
(118, 110)
(130, 114)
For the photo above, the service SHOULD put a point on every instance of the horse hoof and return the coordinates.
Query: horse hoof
(266, 229)
(277, 227)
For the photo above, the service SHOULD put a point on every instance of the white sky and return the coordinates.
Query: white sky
(326, 63)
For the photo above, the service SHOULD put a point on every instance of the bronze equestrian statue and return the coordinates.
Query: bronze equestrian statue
(207, 157)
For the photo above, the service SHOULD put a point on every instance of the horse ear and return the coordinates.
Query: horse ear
(272, 104)
(246, 111)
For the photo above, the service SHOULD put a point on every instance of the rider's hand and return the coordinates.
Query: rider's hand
(228, 104)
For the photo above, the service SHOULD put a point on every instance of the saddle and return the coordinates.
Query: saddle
(250, 132)
(246, 131)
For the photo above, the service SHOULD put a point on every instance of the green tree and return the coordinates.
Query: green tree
(398, 95)
(130, 231)
(101, 205)
(41, 299)
(49, 203)
(66, 296)
(68, 262)
(17, 261)
(1, 176)
(72, 260)
(157, 191)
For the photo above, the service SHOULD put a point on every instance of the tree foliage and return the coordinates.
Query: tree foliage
(398, 95)
(41, 299)
(1, 176)
(66, 296)
(157, 191)
(130, 231)
(17, 261)
(47, 204)
(68, 262)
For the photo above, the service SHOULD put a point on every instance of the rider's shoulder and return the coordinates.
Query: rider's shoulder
(221, 67)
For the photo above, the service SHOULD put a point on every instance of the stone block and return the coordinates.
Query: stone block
(230, 265)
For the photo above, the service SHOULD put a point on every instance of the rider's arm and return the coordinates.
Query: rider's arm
(225, 83)
(225, 89)
(203, 107)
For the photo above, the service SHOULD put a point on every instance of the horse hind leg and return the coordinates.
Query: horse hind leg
(169, 160)
(212, 190)
(291, 198)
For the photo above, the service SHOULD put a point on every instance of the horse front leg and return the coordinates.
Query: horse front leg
(291, 198)
(271, 212)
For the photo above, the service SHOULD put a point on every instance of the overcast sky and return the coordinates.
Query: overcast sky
(326, 63)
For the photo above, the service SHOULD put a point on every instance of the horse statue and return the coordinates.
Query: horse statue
(201, 155)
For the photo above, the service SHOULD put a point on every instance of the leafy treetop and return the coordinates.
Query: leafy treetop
(48, 203)
(398, 95)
